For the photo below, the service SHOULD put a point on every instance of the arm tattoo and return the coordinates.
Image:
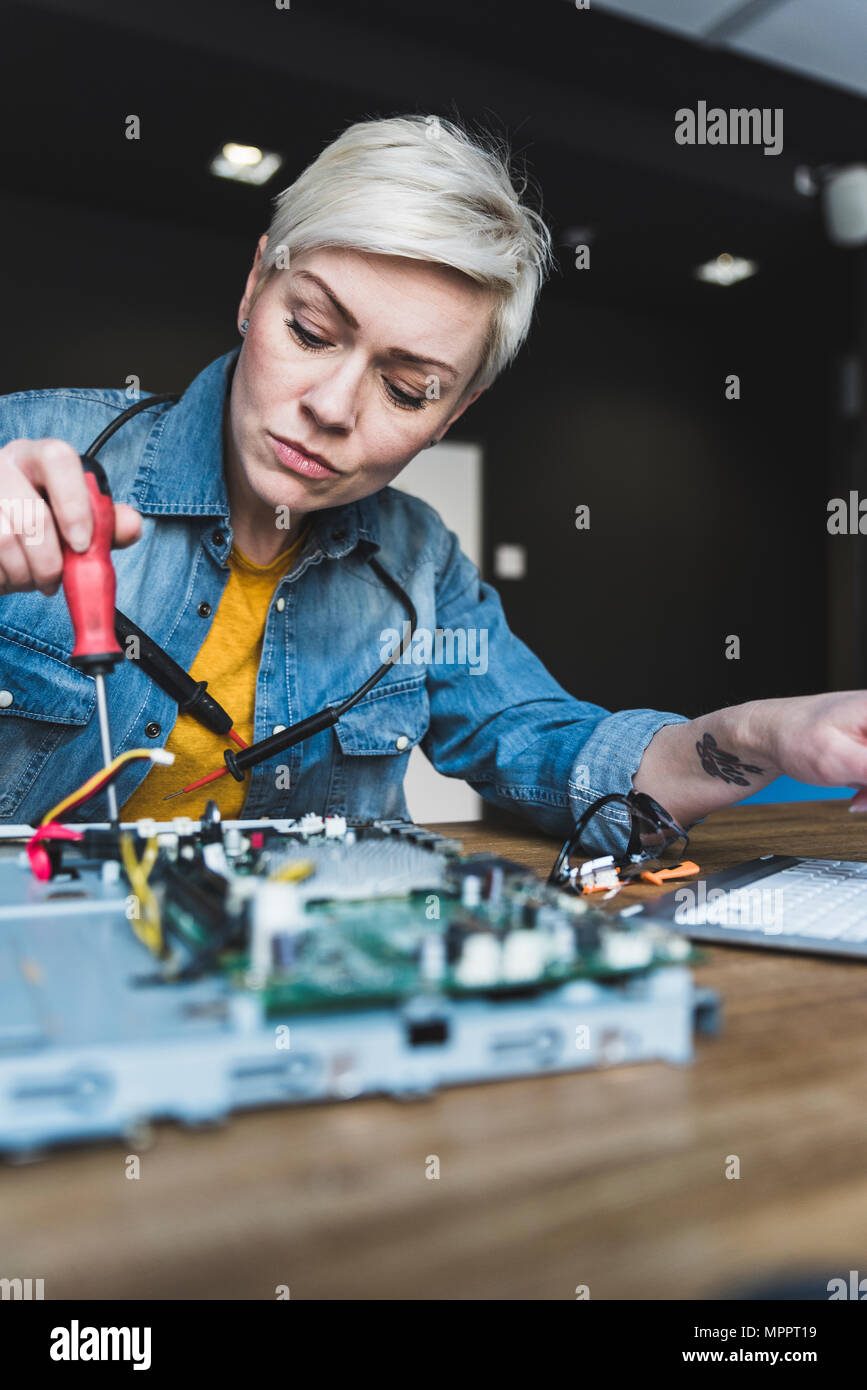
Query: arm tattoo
(718, 763)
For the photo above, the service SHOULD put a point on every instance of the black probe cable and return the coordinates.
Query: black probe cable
(237, 763)
(190, 696)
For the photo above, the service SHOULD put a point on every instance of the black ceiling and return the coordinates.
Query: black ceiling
(587, 99)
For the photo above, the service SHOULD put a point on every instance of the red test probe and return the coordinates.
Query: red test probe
(89, 585)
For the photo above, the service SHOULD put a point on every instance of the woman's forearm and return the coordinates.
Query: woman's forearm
(695, 768)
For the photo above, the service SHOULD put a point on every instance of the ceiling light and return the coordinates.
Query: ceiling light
(577, 236)
(245, 163)
(242, 154)
(726, 270)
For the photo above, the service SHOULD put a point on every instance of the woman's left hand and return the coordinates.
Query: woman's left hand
(820, 739)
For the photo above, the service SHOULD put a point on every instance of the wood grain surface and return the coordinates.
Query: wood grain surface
(613, 1179)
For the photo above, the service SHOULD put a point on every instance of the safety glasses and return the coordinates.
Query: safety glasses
(653, 832)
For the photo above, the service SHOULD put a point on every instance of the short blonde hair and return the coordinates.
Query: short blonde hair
(422, 187)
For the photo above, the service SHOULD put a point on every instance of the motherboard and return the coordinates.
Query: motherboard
(187, 969)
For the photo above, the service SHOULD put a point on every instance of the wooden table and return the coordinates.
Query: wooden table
(614, 1179)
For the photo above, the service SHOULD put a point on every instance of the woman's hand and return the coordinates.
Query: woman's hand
(43, 496)
(821, 739)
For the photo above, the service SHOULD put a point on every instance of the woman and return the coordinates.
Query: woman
(259, 544)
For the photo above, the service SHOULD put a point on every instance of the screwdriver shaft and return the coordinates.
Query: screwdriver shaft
(105, 738)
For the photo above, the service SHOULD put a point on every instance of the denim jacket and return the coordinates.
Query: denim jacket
(479, 702)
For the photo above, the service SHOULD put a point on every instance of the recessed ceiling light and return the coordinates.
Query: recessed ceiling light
(242, 154)
(726, 270)
(577, 236)
(245, 163)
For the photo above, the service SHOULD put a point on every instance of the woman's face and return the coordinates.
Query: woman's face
(354, 361)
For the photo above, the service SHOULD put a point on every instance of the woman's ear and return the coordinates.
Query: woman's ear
(253, 277)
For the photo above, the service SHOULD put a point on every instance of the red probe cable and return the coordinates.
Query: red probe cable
(212, 776)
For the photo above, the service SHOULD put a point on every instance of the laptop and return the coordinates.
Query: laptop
(778, 901)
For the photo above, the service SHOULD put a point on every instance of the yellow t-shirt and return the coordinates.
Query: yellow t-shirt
(228, 660)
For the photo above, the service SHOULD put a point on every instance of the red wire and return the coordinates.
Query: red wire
(38, 856)
(39, 860)
(203, 781)
(212, 776)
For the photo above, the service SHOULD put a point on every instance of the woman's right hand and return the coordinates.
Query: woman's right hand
(43, 497)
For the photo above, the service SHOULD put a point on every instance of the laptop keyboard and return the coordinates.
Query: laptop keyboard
(778, 901)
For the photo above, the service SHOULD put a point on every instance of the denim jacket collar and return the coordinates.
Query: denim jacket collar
(181, 470)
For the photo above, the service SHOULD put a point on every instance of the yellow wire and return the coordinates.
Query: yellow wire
(93, 783)
(149, 929)
(295, 872)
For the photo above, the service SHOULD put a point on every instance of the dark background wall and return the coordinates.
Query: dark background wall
(707, 515)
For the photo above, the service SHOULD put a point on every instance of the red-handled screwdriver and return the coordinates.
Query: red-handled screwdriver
(89, 585)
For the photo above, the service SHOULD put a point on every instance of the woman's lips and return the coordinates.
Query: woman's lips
(299, 462)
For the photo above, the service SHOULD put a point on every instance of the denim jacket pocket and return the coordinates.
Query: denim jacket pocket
(41, 686)
(388, 722)
(373, 743)
(45, 704)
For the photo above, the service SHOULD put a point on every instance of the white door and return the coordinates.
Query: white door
(449, 478)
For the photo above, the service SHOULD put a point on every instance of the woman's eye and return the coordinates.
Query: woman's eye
(312, 343)
(405, 401)
(304, 337)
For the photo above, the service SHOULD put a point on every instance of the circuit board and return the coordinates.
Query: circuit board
(187, 969)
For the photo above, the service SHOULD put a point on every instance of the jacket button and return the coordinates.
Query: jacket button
(6, 699)
(204, 610)
(218, 538)
(153, 729)
(401, 743)
(280, 605)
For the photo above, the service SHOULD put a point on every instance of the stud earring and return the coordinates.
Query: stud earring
(245, 324)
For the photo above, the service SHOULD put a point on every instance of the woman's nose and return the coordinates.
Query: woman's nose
(333, 399)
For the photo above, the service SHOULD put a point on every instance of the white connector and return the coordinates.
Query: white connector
(524, 955)
(626, 950)
(162, 755)
(471, 890)
(432, 962)
(479, 962)
(277, 907)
